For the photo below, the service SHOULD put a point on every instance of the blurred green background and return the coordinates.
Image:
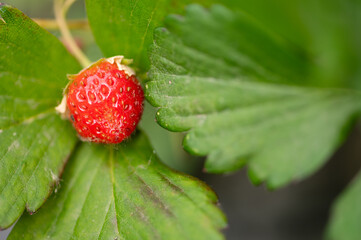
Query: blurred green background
(328, 31)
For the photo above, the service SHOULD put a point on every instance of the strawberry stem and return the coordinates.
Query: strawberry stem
(52, 24)
(61, 8)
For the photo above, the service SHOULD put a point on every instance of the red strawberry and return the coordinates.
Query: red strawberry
(105, 101)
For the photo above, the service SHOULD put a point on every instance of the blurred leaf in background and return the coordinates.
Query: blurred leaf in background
(328, 30)
(345, 221)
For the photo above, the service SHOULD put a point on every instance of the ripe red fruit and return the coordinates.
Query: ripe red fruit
(105, 101)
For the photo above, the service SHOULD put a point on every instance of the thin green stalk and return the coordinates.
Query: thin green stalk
(51, 24)
(60, 10)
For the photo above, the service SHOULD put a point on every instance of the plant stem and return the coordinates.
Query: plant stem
(60, 10)
(52, 24)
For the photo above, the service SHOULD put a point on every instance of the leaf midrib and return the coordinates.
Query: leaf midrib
(111, 171)
(140, 51)
(100, 162)
(164, 77)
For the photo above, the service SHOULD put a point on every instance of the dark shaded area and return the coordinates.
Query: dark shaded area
(299, 211)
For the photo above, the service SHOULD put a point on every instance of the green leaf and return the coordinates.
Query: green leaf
(34, 142)
(327, 29)
(126, 27)
(346, 216)
(245, 96)
(124, 193)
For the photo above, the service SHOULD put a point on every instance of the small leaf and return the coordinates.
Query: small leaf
(34, 142)
(346, 216)
(126, 27)
(245, 96)
(124, 193)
